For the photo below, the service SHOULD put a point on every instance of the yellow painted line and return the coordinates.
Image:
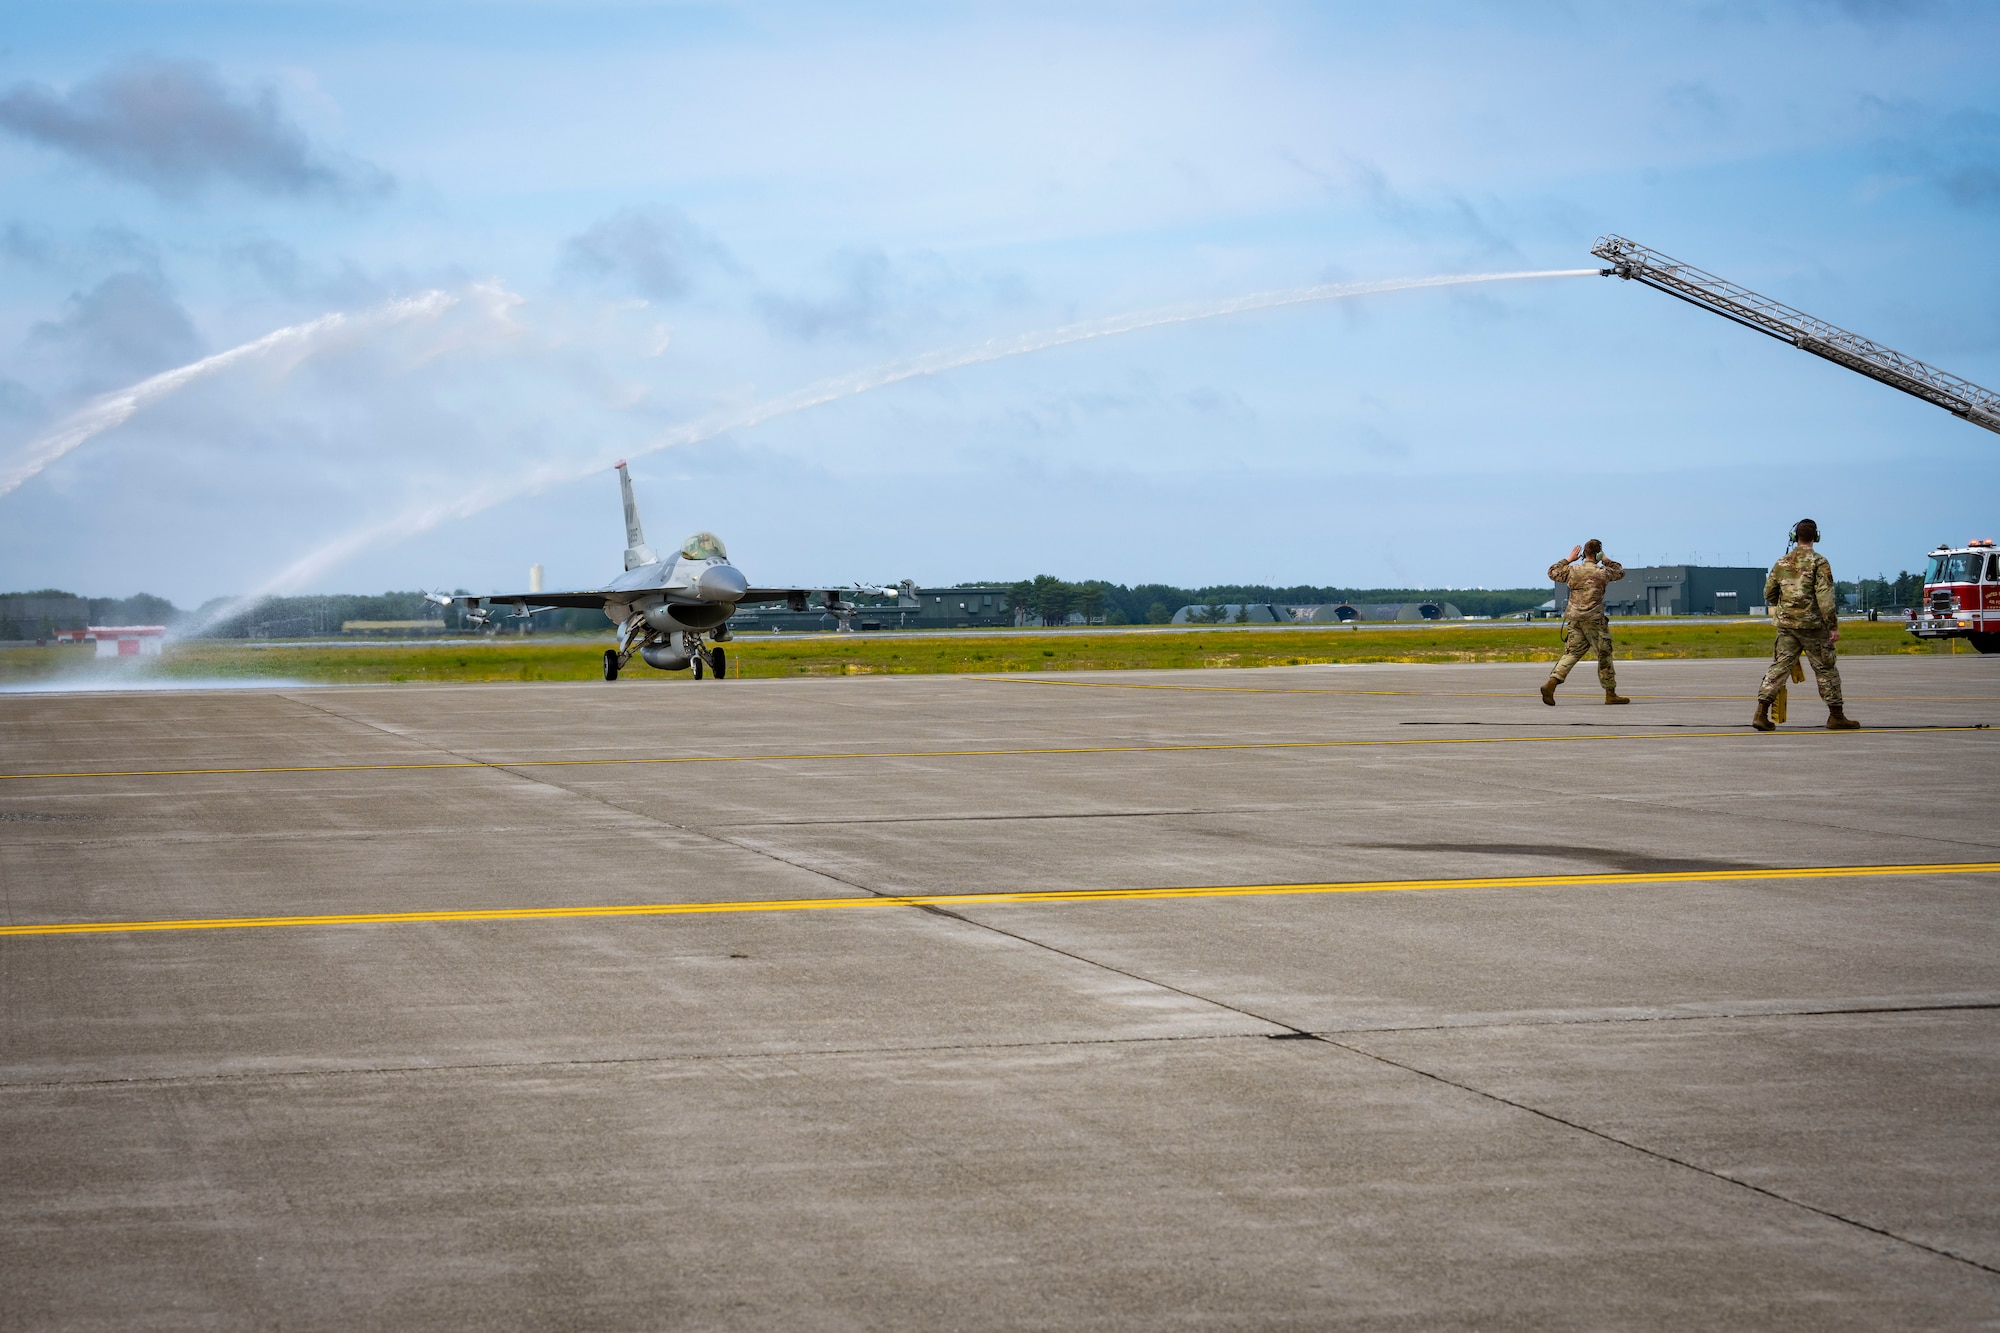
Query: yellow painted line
(1002, 899)
(1738, 733)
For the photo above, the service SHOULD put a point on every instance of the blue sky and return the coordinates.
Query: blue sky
(646, 215)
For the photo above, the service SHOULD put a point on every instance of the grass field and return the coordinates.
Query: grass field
(566, 658)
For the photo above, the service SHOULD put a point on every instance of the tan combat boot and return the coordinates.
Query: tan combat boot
(1614, 697)
(1549, 691)
(1836, 720)
(1763, 720)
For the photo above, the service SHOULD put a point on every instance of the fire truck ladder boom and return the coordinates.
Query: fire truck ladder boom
(1961, 398)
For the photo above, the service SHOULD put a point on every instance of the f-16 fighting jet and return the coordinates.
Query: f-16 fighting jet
(673, 610)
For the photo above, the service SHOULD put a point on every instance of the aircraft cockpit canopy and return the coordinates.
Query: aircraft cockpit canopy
(704, 546)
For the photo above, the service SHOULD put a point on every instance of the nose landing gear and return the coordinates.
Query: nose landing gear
(714, 659)
(673, 651)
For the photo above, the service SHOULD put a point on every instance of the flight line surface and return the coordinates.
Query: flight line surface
(1315, 996)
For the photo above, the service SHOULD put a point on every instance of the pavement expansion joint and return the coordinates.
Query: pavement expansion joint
(935, 908)
(1327, 1035)
(1662, 1156)
(380, 1069)
(1954, 838)
(984, 818)
(1440, 694)
(1797, 815)
(1291, 1032)
(1741, 731)
(1701, 1013)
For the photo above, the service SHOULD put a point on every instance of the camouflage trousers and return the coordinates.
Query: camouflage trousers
(1816, 647)
(1589, 637)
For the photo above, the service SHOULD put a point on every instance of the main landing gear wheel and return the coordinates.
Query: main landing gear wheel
(610, 664)
(719, 659)
(1985, 643)
(695, 666)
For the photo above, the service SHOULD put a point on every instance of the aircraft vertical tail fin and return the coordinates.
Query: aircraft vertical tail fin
(637, 553)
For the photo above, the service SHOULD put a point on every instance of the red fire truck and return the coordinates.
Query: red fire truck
(1961, 596)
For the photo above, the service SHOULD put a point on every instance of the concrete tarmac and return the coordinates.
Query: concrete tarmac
(1644, 1088)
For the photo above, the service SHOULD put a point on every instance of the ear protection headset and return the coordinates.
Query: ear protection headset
(1804, 523)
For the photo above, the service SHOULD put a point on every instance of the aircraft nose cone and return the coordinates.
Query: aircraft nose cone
(721, 583)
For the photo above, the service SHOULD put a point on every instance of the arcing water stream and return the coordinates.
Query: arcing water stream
(114, 409)
(465, 504)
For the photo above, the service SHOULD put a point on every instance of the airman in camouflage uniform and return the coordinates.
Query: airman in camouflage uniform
(1586, 631)
(1804, 605)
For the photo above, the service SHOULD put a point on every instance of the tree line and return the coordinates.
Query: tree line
(1045, 599)
(270, 617)
(24, 615)
(1903, 590)
(296, 617)
(1052, 600)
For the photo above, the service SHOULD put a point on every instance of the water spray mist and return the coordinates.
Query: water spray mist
(466, 504)
(115, 409)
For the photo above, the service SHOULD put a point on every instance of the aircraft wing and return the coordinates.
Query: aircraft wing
(592, 600)
(596, 599)
(796, 597)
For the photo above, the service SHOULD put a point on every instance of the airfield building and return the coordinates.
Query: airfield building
(933, 608)
(118, 640)
(1682, 590)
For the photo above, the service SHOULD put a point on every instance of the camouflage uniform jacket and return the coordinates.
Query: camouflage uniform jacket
(1587, 583)
(1800, 592)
